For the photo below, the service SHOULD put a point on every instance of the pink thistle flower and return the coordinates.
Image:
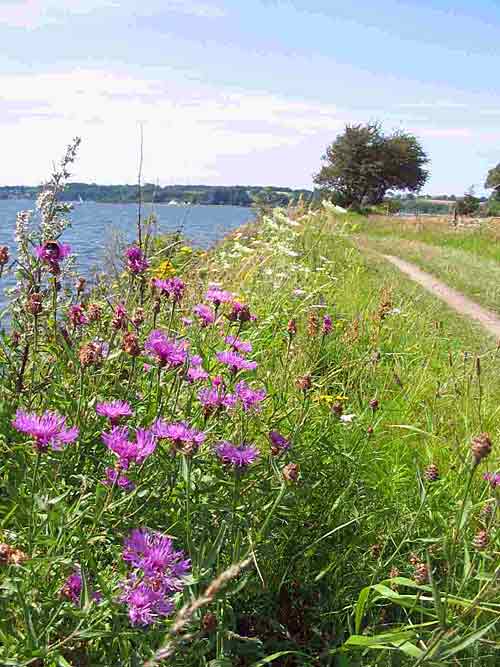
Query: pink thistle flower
(166, 351)
(51, 253)
(120, 316)
(129, 451)
(327, 325)
(240, 312)
(72, 588)
(205, 314)
(235, 362)
(278, 442)
(249, 398)
(183, 437)
(47, 429)
(238, 456)
(136, 260)
(114, 410)
(218, 296)
(77, 316)
(238, 345)
(114, 478)
(493, 478)
(172, 287)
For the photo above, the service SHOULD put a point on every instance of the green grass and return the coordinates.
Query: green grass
(361, 506)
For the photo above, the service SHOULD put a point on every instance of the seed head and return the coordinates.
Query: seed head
(337, 408)
(312, 325)
(374, 404)
(481, 447)
(11, 556)
(130, 344)
(94, 312)
(304, 382)
(376, 550)
(90, 354)
(138, 317)
(431, 473)
(35, 301)
(421, 573)
(292, 328)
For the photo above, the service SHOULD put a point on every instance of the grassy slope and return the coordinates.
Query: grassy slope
(361, 505)
(468, 260)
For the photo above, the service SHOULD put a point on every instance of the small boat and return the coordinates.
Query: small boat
(172, 202)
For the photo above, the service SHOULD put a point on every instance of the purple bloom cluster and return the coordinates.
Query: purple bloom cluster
(72, 588)
(238, 345)
(114, 410)
(115, 478)
(195, 371)
(159, 572)
(136, 260)
(216, 397)
(172, 287)
(205, 314)
(327, 324)
(249, 398)
(47, 429)
(77, 316)
(166, 351)
(183, 438)
(235, 361)
(240, 312)
(218, 296)
(493, 478)
(51, 253)
(130, 451)
(278, 442)
(238, 456)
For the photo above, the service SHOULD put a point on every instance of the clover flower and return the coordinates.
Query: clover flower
(205, 314)
(238, 456)
(114, 410)
(183, 438)
(136, 260)
(166, 351)
(235, 361)
(130, 451)
(172, 287)
(249, 398)
(327, 325)
(238, 345)
(47, 429)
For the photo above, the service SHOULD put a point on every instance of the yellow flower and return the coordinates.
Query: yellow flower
(186, 249)
(328, 398)
(164, 270)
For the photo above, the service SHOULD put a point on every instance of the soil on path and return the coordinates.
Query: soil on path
(489, 320)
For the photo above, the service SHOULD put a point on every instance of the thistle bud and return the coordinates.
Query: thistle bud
(138, 317)
(481, 447)
(292, 328)
(421, 574)
(4, 255)
(304, 382)
(374, 404)
(209, 622)
(337, 409)
(312, 325)
(34, 305)
(375, 550)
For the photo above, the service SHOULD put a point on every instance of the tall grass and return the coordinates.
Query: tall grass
(371, 539)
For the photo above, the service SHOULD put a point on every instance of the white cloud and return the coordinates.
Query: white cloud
(187, 126)
(446, 132)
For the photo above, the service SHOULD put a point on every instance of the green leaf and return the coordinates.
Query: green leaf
(270, 658)
(360, 608)
(461, 644)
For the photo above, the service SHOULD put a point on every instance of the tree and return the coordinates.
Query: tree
(469, 203)
(493, 181)
(362, 164)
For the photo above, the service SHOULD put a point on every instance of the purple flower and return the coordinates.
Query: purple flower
(146, 600)
(235, 362)
(195, 371)
(172, 287)
(215, 398)
(278, 442)
(240, 312)
(218, 296)
(129, 451)
(51, 253)
(205, 314)
(238, 456)
(72, 588)
(238, 345)
(167, 352)
(181, 435)
(136, 260)
(493, 478)
(77, 316)
(248, 397)
(327, 324)
(114, 478)
(48, 429)
(114, 410)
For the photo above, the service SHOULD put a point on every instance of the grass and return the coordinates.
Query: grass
(368, 556)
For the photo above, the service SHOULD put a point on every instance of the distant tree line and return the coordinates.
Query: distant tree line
(190, 194)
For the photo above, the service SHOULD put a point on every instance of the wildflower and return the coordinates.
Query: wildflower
(51, 253)
(337, 408)
(119, 320)
(278, 443)
(94, 312)
(146, 601)
(90, 354)
(166, 351)
(235, 362)
(327, 325)
(431, 473)
(492, 478)
(130, 344)
(129, 451)
(291, 472)
(186, 250)
(48, 429)
(136, 260)
(4, 255)
(195, 371)
(154, 554)
(304, 382)
(238, 345)
(114, 410)
(376, 550)
(138, 317)
(80, 285)
(481, 540)
(238, 456)
(77, 315)
(10, 555)
(215, 398)
(248, 397)
(312, 324)
(240, 313)
(218, 296)
(183, 438)
(481, 447)
(374, 404)
(421, 573)
(164, 270)
(292, 328)
(72, 588)
(114, 478)
(205, 314)
(35, 301)
(187, 321)
(172, 287)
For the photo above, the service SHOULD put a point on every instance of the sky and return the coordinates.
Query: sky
(244, 91)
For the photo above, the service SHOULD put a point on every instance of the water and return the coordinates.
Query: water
(94, 225)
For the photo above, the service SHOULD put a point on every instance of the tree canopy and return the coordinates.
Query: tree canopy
(493, 180)
(362, 164)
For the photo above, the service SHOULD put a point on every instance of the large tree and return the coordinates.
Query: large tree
(493, 180)
(362, 164)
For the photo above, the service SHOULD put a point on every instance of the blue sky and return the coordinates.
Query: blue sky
(244, 91)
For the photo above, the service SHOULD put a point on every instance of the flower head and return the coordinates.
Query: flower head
(238, 456)
(172, 287)
(240, 312)
(128, 451)
(493, 478)
(183, 438)
(327, 324)
(205, 314)
(77, 316)
(72, 588)
(218, 296)
(235, 361)
(114, 478)
(249, 398)
(51, 253)
(47, 429)
(114, 410)
(136, 260)
(238, 345)
(166, 351)
(278, 442)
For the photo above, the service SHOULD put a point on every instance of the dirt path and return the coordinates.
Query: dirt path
(454, 299)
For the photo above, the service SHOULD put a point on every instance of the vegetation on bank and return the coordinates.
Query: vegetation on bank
(292, 441)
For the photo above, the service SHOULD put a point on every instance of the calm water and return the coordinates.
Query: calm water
(95, 225)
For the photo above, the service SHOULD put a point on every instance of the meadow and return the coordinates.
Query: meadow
(278, 451)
